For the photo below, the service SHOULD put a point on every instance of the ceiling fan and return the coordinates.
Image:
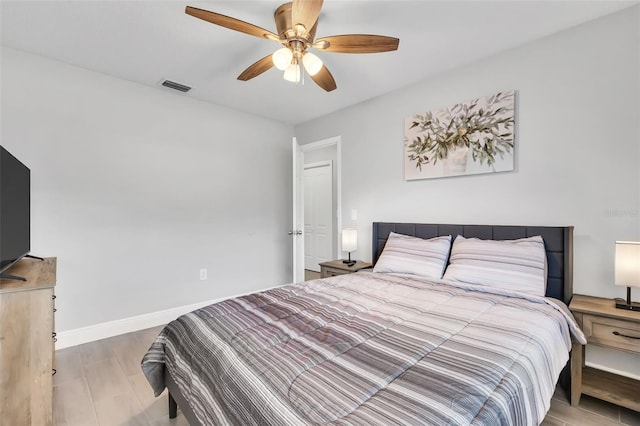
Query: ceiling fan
(296, 24)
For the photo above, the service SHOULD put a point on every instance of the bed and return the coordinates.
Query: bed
(383, 346)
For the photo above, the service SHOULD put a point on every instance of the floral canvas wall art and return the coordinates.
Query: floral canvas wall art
(466, 138)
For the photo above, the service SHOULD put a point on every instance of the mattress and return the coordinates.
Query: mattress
(367, 349)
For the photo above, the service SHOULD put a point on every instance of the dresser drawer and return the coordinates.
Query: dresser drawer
(609, 332)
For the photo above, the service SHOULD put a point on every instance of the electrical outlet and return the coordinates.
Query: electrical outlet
(203, 274)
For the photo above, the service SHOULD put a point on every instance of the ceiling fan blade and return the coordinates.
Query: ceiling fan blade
(312, 33)
(257, 68)
(305, 12)
(324, 79)
(357, 43)
(231, 23)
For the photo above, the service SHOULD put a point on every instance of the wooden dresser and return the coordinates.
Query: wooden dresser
(26, 343)
(338, 267)
(605, 326)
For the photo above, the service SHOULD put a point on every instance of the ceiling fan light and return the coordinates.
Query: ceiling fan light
(311, 63)
(282, 58)
(292, 73)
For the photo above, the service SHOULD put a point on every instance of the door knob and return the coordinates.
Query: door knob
(296, 232)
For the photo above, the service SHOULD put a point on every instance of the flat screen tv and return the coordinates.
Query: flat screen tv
(15, 205)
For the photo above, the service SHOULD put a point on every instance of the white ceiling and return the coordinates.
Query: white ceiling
(147, 41)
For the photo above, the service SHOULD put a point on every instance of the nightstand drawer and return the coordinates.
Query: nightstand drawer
(611, 332)
(331, 272)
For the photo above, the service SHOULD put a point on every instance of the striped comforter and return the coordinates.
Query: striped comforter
(367, 349)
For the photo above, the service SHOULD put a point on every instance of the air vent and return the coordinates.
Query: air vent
(176, 86)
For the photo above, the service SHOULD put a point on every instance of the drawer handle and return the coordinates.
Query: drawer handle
(625, 335)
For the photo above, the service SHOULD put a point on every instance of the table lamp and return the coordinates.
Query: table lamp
(628, 271)
(349, 243)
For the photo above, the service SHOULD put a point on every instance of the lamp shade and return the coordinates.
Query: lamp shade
(292, 73)
(282, 58)
(349, 239)
(311, 63)
(628, 263)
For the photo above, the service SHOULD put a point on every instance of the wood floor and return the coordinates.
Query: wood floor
(101, 383)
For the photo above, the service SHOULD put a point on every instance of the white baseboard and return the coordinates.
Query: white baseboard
(104, 330)
(613, 360)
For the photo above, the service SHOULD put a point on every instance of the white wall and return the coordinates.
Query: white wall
(135, 189)
(577, 147)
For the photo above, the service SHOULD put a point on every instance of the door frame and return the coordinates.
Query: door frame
(298, 199)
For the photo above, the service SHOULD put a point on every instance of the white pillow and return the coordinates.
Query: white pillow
(514, 265)
(410, 255)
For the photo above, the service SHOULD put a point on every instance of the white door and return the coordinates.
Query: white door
(318, 214)
(298, 200)
(298, 218)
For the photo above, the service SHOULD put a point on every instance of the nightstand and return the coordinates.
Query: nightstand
(337, 267)
(606, 326)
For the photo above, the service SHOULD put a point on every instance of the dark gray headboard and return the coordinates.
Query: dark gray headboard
(558, 241)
